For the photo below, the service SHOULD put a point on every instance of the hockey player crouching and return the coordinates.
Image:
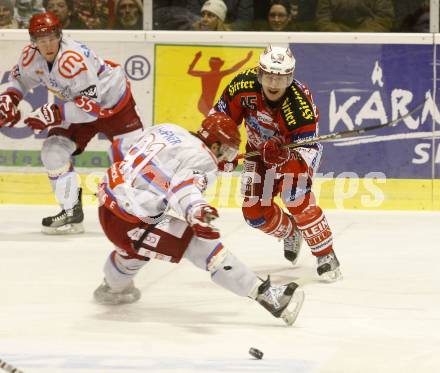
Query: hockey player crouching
(92, 95)
(170, 168)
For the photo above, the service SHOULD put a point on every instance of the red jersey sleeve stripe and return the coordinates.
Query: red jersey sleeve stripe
(183, 184)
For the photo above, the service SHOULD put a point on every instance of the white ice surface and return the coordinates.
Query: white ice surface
(383, 317)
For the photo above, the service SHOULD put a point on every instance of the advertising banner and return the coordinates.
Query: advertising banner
(361, 85)
(353, 86)
(190, 79)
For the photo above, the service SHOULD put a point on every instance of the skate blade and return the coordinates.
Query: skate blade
(293, 262)
(112, 299)
(332, 276)
(291, 312)
(76, 228)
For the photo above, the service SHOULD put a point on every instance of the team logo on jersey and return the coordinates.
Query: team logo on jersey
(71, 64)
(91, 92)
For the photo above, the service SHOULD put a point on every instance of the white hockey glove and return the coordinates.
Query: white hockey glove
(199, 218)
(9, 114)
(226, 166)
(46, 116)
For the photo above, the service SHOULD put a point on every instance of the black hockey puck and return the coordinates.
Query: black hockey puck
(256, 353)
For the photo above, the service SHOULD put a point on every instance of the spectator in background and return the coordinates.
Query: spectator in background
(93, 14)
(63, 9)
(355, 15)
(83, 11)
(278, 18)
(213, 17)
(303, 14)
(240, 14)
(105, 11)
(129, 15)
(411, 15)
(418, 21)
(172, 15)
(7, 15)
(25, 9)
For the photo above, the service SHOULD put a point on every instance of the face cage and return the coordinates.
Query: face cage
(274, 81)
(227, 153)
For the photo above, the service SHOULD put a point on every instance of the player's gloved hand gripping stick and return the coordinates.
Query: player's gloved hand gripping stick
(337, 135)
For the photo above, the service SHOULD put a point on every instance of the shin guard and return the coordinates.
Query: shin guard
(315, 230)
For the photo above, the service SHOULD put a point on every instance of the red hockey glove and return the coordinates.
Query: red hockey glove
(273, 153)
(226, 166)
(9, 114)
(46, 116)
(199, 218)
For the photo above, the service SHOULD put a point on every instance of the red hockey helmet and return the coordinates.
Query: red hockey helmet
(43, 24)
(219, 127)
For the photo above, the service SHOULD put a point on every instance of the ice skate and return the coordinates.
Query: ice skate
(328, 267)
(292, 246)
(68, 221)
(105, 295)
(283, 301)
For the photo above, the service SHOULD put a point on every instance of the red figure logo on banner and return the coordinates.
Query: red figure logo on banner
(211, 79)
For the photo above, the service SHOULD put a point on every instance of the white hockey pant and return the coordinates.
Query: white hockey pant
(225, 269)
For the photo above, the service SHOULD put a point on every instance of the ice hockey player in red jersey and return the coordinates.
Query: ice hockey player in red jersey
(168, 170)
(93, 96)
(277, 110)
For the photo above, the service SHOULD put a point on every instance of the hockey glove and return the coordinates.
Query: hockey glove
(273, 153)
(225, 166)
(46, 116)
(199, 218)
(9, 114)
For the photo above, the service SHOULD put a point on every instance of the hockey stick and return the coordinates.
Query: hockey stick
(8, 367)
(338, 135)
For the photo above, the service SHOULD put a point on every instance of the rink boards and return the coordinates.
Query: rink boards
(357, 80)
(340, 193)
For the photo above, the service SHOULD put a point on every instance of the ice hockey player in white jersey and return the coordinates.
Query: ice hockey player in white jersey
(92, 95)
(168, 169)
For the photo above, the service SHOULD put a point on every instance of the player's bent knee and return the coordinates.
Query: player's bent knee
(56, 153)
(254, 215)
(308, 215)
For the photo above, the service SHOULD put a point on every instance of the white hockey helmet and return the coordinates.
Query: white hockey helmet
(276, 67)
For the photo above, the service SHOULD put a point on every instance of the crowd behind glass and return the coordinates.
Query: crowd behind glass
(228, 15)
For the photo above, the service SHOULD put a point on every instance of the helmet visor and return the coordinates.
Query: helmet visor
(274, 81)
